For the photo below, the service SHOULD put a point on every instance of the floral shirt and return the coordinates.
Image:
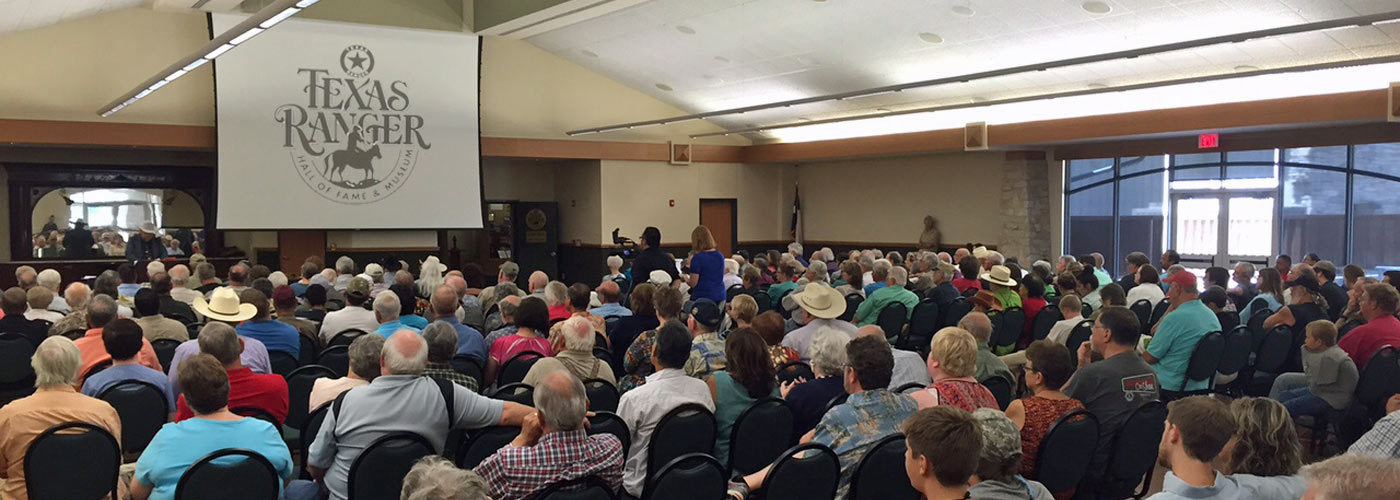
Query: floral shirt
(706, 355)
(852, 428)
(637, 364)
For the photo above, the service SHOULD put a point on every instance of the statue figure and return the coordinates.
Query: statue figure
(930, 238)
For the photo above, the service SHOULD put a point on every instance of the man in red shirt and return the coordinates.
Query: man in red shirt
(245, 388)
(1379, 303)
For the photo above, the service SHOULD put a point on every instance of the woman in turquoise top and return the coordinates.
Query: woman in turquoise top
(748, 376)
(179, 445)
(1270, 289)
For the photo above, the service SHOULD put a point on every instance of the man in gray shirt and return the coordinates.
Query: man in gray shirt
(400, 400)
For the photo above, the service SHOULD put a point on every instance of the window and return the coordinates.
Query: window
(1085, 172)
(1141, 216)
(1314, 213)
(1375, 241)
(1330, 156)
(1379, 158)
(1090, 225)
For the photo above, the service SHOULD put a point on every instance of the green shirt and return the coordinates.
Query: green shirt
(1176, 338)
(1008, 297)
(776, 291)
(870, 309)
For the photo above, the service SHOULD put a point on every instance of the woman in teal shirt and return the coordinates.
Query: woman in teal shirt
(748, 376)
(179, 445)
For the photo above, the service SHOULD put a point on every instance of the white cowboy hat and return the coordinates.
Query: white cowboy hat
(820, 301)
(225, 306)
(148, 228)
(1000, 275)
(980, 252)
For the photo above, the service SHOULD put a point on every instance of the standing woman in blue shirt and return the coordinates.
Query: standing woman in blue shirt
(706, 266)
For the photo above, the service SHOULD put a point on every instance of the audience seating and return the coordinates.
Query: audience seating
(1256, 323)
(693, 476)
(469, 366)
(793, 370)
(379, 470)
(959, 308)
(880, 473)
(765, 303)
(165, 351)
(922, 325)
(515, 368)
(1143, 309)
(808, 471)
(1205, 360)
(734, 290)
(1134, 453)
(1378, 381)
(1066, 450)
(1000, 388)
(608, 422)
(62, 464)
(1228, 320)
(779, 304)
(909, 387)
(1234, 360)
(892, 318)
(1270, 359)
(602, 395)
(1044, 322)
(517, 392)
(853, 301)
(689, 428)
(142, 408)
(284, 363)
(839, 399)
(1079, 335)
(760, 435)
(258, 413)
(481, 443)
(1007, 328)
(193, 330)
(308, 430)
(1158, 311)
(16, 374)
(337, 358)
(252, 478)
(98, 368)
(346, 337)
(584, 488)
(299, 384)
(309, 349)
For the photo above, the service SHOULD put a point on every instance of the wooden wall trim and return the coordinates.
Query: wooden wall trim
(137, 135)
(1231, 140)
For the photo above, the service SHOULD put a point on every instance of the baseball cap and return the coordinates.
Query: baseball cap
(1000, 439)
(283, 296)
(358, 287)
(706, 312)
(1182, 277)
(315, 295)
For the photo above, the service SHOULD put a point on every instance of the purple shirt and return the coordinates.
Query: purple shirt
(254, 357)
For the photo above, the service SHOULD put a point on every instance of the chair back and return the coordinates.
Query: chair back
(1205, 359)
(1256, 322)
(1134, 450)
(469, 366)
(688, 428)
(1239, 344)
(1079, 335)
(309, 349)
(1044, 321)
(853, 301)
(804, 472)
(165, 351)
(880, 473)
(838, 400)
(309, 428)
(602, 395)
(346, 337)
(959, 308)
(15, 351)
(922, 324)
(1272, 353)
(764, 301)
(609, 423)
(337, 358)
(299, 383)
(254, 475)
(515, 368)
(793, 370)
(1143, 309)
(142, 408)
(1158, 311)
(283, 363)
(258, 413)
(760, 435)
(193, 330)
(734, 290)
(892, 318)
(481, 443)
(1008, 330)
(779, 304)
(1259, 304)
(379, 470)
(1066, 450)
(693, 476)
(1228, 320)
(1379, 380)
(517, 393)
(97, 368)
(82, 465)
(583, 488)
(909, 388)
(1000, 389)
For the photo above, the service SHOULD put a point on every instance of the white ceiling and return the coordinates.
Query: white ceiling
(20, 15)
(718, 54)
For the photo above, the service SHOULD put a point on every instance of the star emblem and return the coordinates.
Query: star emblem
(357, 60)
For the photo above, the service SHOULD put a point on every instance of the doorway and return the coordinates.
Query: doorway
(294, 247)
(1223, 228)
(721, 217)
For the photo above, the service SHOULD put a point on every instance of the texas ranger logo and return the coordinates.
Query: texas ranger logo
(353, 139)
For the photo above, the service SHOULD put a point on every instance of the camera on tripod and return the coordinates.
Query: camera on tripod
(627, 247)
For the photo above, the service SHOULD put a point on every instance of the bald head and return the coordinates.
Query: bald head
(444, 301)
(871, 331)
(979, 325)
(76, 295)
(179, 275)
(538, 280)
(405, 353)
(458, 284)
(561, 401)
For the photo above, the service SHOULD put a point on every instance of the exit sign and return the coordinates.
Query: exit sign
(1208, 141)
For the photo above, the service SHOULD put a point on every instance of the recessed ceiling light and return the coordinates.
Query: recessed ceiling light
(979, 99)
(808, 61)
(930, 37)
(665, 87)
(722, 59)
(1097, 86)
(803, 119)
(589, 53)
(685, 29)
(1096, 7)
(1246, 67)
(963, 10)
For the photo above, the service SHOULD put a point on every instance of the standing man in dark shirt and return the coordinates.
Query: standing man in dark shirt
(77, 242)
(651, 258)
(146, 247)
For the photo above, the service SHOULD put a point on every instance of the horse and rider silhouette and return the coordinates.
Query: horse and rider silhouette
(352, 157)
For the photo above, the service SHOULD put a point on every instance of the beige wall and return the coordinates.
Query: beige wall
(578, 191)
(886, 199)
(638, 194)
(517, 179)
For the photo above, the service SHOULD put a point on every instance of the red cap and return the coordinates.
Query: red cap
(284, 296)
(1183, 277)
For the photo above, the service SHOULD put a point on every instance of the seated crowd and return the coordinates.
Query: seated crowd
(443, 354)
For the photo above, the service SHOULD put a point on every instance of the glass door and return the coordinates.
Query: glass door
(1220, 229)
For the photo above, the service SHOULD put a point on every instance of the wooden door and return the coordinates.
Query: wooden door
(295, 246)
(721, 218)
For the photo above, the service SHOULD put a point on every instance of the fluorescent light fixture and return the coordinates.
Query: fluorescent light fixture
(276, 12)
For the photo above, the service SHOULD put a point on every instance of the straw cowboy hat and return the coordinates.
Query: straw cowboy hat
(225, 306)
(1000, 275)
(820, 301)
(980, 252)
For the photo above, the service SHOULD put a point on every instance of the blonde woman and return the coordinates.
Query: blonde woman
(952, 359)
(706, 267)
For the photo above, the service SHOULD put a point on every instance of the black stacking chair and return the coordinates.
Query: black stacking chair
(1007, 331)
(517, 392)
(689, 428)
(252, 478)
(1143, 309)
(1134, 453)
(337, 358)
(602, 395)
(515, 368)
(836, 401)
(284, 363)
(1228, 320)
(922, 324)
(1270, 358)
(142, 408)
(1234, 360)
(310, 427)
(1066, 450)
(469, 366)
(309, 349)
(1205, 360)
(258, 413)
(693, 476)
(909, 388)
(760, 435)
(481, 443)
(97, 368)
(16, 374)
(584, 488)
(805, 472)
(68, 465)
(1044, 322)
(892, 319)
(346, 337)
(1079, 335)
(959, 308)
(793, 370)
(379, 470)
(299, 384)
(165, 351)
(853, 301)
(1001, 389)
(610, 423)
(880, 474)
(1158, 311)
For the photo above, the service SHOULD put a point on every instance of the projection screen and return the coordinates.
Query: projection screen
(325, 125)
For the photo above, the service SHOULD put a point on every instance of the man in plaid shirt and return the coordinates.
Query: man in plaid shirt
(553, 446)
